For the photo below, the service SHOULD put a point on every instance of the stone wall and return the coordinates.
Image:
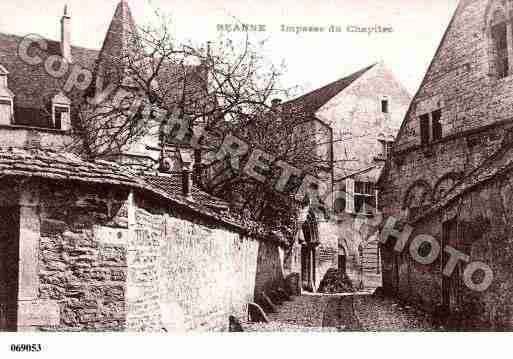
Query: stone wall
(326, 255)
(476, 117)
(82, 256)
(95, 258)
(186, 275)
(483, 233)
(459, 80)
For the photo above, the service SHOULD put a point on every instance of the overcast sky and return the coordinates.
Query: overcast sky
(313, 59)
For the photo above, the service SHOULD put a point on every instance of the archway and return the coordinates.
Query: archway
(308, 252)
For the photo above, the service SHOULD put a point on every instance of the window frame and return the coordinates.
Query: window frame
(430, 125)
(385, 106)
(61, 101)
(361, 191)
(54, 115)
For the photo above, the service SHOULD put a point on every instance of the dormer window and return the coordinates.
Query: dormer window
(385, 106)
(6, 99)
(61, 108)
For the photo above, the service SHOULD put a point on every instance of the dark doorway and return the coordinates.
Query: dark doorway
(342, 260)
(308, 255)
(450, 284)
(9, 267)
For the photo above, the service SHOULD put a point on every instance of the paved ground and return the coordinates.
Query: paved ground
(334, 313)
(374, 314)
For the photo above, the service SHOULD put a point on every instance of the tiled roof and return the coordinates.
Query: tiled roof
(172, 184)
(311, 102)
(63, 166)
(68, 167)
(32, 86)
(121, 42)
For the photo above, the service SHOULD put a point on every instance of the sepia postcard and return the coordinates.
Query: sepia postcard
(182, 167)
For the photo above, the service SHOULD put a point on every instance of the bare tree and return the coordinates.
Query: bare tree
(224, 88)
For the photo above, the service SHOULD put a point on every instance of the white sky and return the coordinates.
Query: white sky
(312, 59)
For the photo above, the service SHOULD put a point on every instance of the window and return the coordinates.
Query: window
(424, 129)
(5, 111)
(436, 116)
(361, 197)
(387, 148)
(499, 36)
(364, 197)
(61, 116)
(430, 127)
(384, 106)
(499, 48)
(61, 112)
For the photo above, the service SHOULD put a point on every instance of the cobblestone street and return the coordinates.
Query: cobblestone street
(335, 313)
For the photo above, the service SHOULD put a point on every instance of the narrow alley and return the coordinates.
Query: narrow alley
(337, 313)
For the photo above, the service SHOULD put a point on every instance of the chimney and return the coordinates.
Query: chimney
(187, 157)
(275, 102)
(66, 35)
(187, 183)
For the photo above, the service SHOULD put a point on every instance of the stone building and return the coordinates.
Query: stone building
(97, 245)
(449, 176)
(364, 111)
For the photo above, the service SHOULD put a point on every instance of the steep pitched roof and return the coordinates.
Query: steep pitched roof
(120, 43)
(34, 88)
(31, 85)
(311, 102)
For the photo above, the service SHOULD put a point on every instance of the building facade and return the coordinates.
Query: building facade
(448, 176)
(364, 111)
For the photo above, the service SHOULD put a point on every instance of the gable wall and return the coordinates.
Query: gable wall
(356, 114)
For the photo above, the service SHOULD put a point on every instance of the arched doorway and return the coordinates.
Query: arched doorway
(308, 253)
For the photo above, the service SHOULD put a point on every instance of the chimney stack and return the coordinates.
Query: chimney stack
(66, 35)
(187, 158)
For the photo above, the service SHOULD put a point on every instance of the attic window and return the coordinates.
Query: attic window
(6, 99)
(61, 112)
(384, 106)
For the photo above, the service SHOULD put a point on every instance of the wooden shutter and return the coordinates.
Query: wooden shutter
(350, 195)
(424, 129)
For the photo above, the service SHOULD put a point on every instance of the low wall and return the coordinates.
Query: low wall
(187, 276)
(94, 258)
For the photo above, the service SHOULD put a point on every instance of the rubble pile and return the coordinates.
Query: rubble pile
(336, 282)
